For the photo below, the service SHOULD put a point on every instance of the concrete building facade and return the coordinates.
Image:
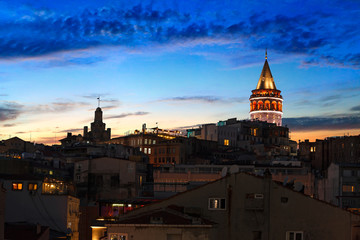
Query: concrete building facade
(34, 201)
(322, 153)
(240, 206)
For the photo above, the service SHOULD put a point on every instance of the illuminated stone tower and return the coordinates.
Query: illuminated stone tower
(265, 100)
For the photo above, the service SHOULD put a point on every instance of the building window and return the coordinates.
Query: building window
(114, 181)
(145, 150)
(312, 149)
(226, 142)
(32, 186)
(154, 141)
(294, 235)
(348, 188)
(17, 186)
(149, 150)
(145, 141)
(217, 204)
(256, 235)
(118, 236)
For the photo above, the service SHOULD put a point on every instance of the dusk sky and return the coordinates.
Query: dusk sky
(178, 63)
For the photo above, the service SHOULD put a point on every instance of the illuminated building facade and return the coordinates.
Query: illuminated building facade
(266, 101)
(48, 202)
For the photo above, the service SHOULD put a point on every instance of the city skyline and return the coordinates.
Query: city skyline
(175, 65)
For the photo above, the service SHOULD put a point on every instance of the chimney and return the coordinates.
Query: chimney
(38, 229)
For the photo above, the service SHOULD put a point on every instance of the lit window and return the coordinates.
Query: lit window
(145, 141)
(312, 149)
(32, 186)
(51, 172)
(154, 141)
(348, 188)
(17, 186)
(292, 235)
(145, 150)
(118, 236)
(149, 151)
(226, 142)
(217, 204)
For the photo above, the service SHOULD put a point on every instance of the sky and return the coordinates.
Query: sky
(175, 64)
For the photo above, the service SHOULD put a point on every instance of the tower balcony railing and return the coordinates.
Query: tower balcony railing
(266, 95)
(266, 109)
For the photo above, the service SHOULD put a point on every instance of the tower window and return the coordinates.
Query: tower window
(226, 142)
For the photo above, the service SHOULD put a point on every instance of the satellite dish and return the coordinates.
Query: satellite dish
(224, 172)
(234, 169)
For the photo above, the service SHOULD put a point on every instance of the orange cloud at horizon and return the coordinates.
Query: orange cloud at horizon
(312, 135)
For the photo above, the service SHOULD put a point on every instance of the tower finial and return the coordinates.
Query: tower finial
(266, 54)
(98, 101)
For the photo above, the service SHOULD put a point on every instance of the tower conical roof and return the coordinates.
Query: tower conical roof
(266, 80)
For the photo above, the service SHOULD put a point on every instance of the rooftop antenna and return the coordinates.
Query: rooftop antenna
(98, 101)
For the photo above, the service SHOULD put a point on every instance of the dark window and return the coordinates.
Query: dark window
(256, 235)
(99, 181)
(114, 181)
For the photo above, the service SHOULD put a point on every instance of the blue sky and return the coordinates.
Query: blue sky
(178, 63)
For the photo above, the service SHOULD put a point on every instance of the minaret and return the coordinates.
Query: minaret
(265, 100)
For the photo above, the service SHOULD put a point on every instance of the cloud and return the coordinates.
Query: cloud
(9, 125)
(205, 99)
(47, 140)
(208, 99)
(128, 115)
(355, 108)
(57, 107)
(108, 107)
(113, 103)
(334, 122)
(70, 130)
(311, 34)
(94, 96)
(69, 60)
(10, 110)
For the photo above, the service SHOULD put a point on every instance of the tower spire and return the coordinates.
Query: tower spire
(266, 54)
(98, 101)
